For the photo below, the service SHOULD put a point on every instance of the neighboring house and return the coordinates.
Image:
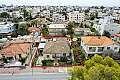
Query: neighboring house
(46, 13)
(16, 50)
(56, 29)
(101, 14)
(58, 18)
(44, 40)
(6, 28)
(82, 31)
(34, 31)
(113, 28)
(41, 44)
(56, 49)
(76, 16)
(107, 24)
(98, 45)
(116, 37)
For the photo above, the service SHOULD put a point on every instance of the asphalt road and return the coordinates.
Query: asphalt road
(35, 76)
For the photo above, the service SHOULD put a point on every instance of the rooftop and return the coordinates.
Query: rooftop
(15, 49)
(53, 47)
(82, 29)
(97, 40)
(57, 26)
(33, 29)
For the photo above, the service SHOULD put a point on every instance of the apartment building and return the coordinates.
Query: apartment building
(76, 16)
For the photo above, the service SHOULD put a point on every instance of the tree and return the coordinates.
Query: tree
(87, 11)
(63, 32)
(102, 7)
(96, 68)
(70, 30)
(25, 13)
(92, 16)
(45, 31)
(81, 25)
(107, 34)
(22, 29)
(4, 15)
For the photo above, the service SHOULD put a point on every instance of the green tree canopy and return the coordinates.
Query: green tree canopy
(22, 29)
(97, 68)
(4, 15)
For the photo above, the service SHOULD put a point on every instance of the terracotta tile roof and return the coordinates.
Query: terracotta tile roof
(53, 47)
(33, 29)
(15, 48)
(97, 40)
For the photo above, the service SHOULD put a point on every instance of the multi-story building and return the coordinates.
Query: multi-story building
(98, 45)
(76, 16)
(107, 24)
(58, 18)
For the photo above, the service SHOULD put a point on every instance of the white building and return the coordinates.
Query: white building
(56, 29)
(6, 28)
(46, 13)
(58, 18)
(107, 24)
(98, 45)
(76, 16)
(101, 14)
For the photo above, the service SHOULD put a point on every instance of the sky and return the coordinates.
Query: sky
(63, 2)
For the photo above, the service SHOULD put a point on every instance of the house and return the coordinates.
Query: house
(6, 28)
(35, 31)
(46, 13)
(98, 45)
(82, 31)
(58, 18)
(76, 16)
(56, 29)
(16, 50)
(56, 49)
(44, 40)
(107, 24)
(116, 37)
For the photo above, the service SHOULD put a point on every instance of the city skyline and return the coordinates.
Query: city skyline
(62, 2)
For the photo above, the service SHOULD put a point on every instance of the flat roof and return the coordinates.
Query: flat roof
(57, 26)
(41, 45)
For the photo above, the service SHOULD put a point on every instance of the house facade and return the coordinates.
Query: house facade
(58, 18)
(56, 50)
(6, 28)
(76, 16)
(15, 51)
(56, 29)
(107, 24)
(82, 31)
(98, 45)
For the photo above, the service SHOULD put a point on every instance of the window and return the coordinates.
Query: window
(115, 48)
(100, 49)
(48, 56)
(108, 48)
(92, 49)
